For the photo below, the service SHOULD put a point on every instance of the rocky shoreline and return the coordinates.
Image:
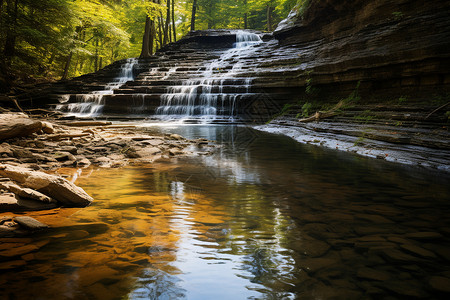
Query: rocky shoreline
(30, 149)
(384, 142)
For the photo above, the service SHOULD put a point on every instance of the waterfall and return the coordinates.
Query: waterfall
(91, 105)
(214, 92)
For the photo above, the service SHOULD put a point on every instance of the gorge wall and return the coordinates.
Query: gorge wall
(385, 49)
(395, 48)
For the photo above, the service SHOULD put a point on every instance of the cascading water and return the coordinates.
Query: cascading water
(213, 93)
(91, 105)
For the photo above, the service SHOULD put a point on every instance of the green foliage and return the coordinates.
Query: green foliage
(366, 116)
(402, 99)
(85, 35)
(447, 114)
(306, 109)
(353, 98)
(398, 14)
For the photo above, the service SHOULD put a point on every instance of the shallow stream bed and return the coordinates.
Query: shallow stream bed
(263, 218)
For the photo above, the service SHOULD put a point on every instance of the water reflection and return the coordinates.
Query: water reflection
(264, 218)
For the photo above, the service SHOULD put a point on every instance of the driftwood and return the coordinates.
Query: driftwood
(86, 123)
(323, 114)
(13, 100)
(58, 137)
(436, 110)
(43, 112)
(318, 116)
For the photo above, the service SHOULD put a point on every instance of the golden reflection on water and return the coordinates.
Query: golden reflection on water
(291, 224)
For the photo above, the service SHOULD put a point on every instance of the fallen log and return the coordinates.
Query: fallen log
(318, 116)
(323, 114)
(86, 123)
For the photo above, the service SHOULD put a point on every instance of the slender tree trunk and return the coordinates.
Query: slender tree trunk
(174, 31)
(245, 15)
(167, 24)
(11, 31)
(67, 66)
(194, 10)
(269, 17)
(1, 10)
(148, 39)
(160, 30)
(96, 56)
(210, 12)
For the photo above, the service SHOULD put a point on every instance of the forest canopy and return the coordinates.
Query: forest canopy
(54, 39)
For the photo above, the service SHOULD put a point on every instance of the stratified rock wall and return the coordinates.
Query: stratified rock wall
(387, 50)
(393, 47)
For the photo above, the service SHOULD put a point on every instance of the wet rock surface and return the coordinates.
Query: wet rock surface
(78, 144)
(427, 148)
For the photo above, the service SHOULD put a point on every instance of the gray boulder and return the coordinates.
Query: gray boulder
(53, 186)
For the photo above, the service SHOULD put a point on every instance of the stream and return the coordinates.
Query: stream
(263, 218)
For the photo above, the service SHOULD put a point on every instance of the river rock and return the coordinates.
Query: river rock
(5, 149)
(9, 202)
(424, 235)
(30, 223)
(311, 247)
(53, 186)
(18, 251)
(416, 250)
(315, 264)
(48, 128)
(17, 125)
(26, 192)
(372, 274)
(12, 264)
(439, 283)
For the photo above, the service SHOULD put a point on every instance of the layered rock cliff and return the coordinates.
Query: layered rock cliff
(380, 51)
(394, 48)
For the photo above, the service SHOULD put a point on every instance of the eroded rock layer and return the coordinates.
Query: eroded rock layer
(384, 50)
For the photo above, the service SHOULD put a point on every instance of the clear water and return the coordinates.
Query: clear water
(263, 218)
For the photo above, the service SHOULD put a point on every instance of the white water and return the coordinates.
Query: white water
(91, 105)
(203, 97)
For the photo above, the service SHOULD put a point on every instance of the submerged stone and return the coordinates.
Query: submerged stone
(30, 223)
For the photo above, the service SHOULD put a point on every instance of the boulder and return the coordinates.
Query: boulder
(26, 192)
(17, 125)
(53, 186)
(10, 202)
(30, 223)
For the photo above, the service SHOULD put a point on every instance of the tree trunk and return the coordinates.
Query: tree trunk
(147, 42)
(160, 28)
(245, 15)
(67, 66)
(167, 24)
(194, 9)
(269, 17)
(96, 56)
(1, 10)
(11, 31)
(173, 22)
